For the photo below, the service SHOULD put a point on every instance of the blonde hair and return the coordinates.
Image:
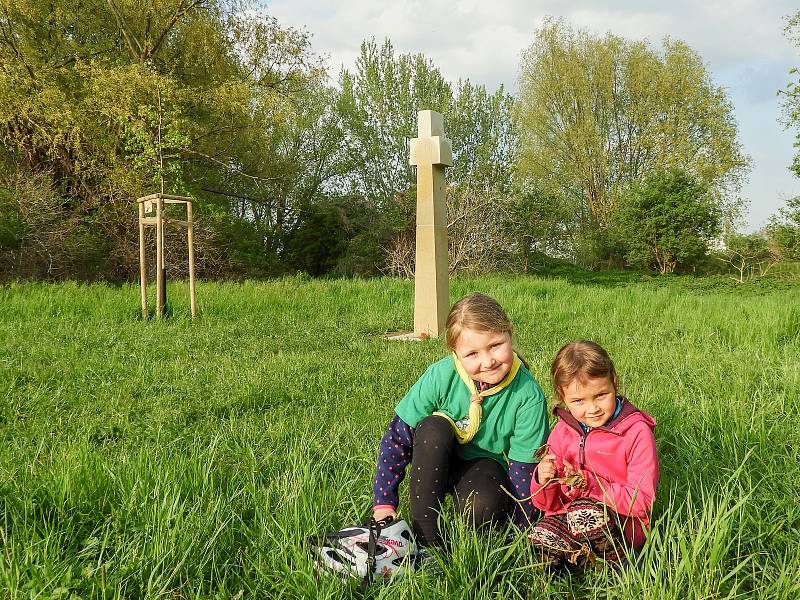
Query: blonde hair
(478, 312)
(582, 359)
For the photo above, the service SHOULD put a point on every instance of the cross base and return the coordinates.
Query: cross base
(408, 336)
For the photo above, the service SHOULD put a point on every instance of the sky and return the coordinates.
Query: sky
(741, 41)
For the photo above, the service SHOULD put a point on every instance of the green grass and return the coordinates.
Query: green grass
(185, 459)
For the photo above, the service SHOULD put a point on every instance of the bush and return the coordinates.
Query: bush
(33, 227)
(342, 236)
(12, 229)
(783, 232)
(666, 222)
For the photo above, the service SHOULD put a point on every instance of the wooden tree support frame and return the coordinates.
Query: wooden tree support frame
(146, 205)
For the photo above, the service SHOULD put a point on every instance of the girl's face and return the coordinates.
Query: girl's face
(592, 400)
(485, 355)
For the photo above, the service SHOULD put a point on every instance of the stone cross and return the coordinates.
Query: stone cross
(431, 152)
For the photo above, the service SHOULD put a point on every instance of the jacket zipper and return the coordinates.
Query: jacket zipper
(581, 452)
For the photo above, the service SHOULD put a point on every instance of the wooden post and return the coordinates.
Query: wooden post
(190, 242)
(159, 221)
(431, 152)
(142, 262)
(159, 256)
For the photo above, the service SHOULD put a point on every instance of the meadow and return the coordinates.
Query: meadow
(179, 459)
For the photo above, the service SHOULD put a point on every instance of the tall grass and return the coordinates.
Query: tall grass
(184, 459)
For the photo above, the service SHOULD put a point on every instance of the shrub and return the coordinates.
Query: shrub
(667, 221)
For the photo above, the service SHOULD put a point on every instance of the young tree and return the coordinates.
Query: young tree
(749, 255)
(598, 113)
(667, 221)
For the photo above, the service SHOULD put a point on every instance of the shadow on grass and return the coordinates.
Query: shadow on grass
(782, 279)
(607, 278)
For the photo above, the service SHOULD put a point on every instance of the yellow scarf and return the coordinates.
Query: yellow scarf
(475, 412)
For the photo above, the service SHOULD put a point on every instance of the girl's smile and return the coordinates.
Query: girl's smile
(486, 356)
(592, 400)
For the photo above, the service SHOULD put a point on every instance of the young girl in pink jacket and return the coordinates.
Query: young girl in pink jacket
(596, 481)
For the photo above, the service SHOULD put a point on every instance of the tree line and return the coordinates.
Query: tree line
(613, 152)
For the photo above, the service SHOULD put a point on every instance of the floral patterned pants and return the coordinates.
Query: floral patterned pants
(588, 530)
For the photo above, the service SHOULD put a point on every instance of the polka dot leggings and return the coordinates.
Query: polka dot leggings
(437, 470)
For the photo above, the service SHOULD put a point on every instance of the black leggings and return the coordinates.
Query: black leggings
(437, 470)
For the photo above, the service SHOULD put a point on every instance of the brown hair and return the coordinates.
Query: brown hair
(478, 312)
(581, 360)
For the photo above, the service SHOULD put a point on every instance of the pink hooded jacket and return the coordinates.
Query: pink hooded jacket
(620, 463)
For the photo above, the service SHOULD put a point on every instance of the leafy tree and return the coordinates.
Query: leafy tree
(596, 114)
(783, 232)
(110, 98)
(791, 95)
(667, 221)
(291, 165)
(539, 225)
(379, 102)
(484, 136)
(332, 236)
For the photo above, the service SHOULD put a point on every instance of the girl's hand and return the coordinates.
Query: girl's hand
(574, 489)
(547, 468)
(379, 514)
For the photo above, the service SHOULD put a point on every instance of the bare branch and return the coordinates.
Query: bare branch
(232, 195)
(8, 37)
(229, 167)
(122, 24)
(180, 11)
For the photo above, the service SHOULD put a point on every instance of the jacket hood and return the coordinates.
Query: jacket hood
(628, 415)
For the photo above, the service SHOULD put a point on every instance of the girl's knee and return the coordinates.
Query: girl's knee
(485, 508)
(433, 431)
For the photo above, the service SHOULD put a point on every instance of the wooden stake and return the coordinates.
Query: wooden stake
(190, 242)
(159, 258)
(142, 262)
